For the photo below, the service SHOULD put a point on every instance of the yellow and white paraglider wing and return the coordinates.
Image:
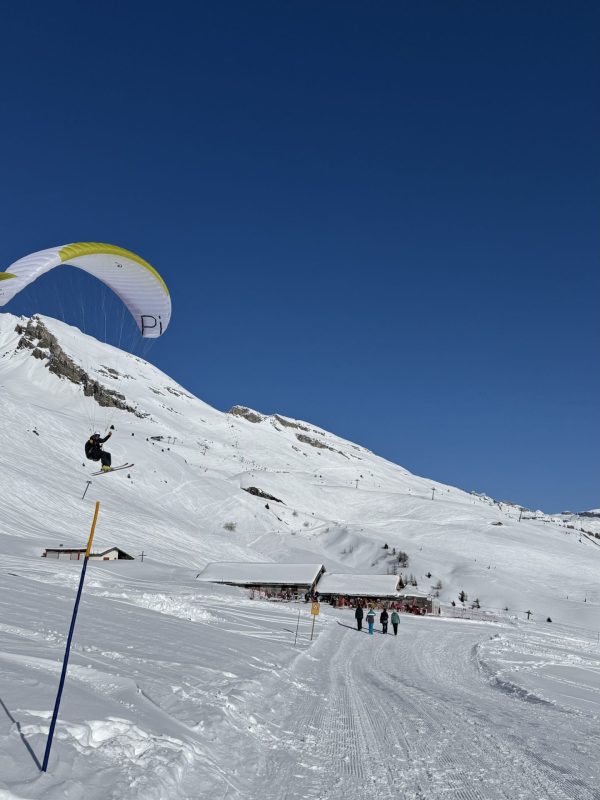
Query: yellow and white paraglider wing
(135, 281)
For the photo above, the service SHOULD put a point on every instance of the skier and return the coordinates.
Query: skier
(359, 617)
(371, 620)
(383, 618)
(395, 621)
(94, 451)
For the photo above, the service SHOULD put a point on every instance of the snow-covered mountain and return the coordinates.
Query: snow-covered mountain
(178, 690)
(184, 503)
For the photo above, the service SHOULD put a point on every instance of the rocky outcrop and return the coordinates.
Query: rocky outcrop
(288, 423)
(45, 346)
(254, 416)
(246, 413)
(178, 393)
(312, 442)
(259, 493)
(316, 443)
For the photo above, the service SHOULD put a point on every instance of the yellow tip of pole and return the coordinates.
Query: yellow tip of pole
(89, 544)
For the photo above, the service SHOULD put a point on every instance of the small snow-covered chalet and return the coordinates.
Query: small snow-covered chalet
(347, 589)
(78, 553)
(344, 588)
(295, 579)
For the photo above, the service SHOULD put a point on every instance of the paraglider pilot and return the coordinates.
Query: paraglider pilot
(94, 451)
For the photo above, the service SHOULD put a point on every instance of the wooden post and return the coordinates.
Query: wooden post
(314, 610)
(297, 626)
(63, 674)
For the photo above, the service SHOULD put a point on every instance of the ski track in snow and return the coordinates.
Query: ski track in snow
(413, 717)
(211, 699)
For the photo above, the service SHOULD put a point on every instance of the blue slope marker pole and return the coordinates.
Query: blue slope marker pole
(63, 674)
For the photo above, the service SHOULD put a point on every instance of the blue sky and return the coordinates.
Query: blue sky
(382, 218)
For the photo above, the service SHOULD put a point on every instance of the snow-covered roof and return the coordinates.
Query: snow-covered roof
(260, 574)
(412, 591)
(358, 585)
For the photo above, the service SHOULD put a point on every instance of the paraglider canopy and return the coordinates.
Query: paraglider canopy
(132, 278)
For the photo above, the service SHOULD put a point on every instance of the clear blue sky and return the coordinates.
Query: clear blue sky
(382, 218)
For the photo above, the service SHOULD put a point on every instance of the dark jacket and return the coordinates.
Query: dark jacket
(359, 613)
(93, 447)
(383, 617)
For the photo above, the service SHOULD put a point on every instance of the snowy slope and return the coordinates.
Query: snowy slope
(340, 503)
(179, 689)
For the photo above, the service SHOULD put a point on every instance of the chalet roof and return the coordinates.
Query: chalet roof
(412, 591)
(260, 574)
(358, 585)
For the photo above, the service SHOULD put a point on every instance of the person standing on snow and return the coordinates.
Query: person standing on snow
(371, 620)
(359, 613)
(395, 618)
(94, 451)
(383, 618)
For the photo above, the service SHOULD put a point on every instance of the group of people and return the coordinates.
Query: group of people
(384, 618)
